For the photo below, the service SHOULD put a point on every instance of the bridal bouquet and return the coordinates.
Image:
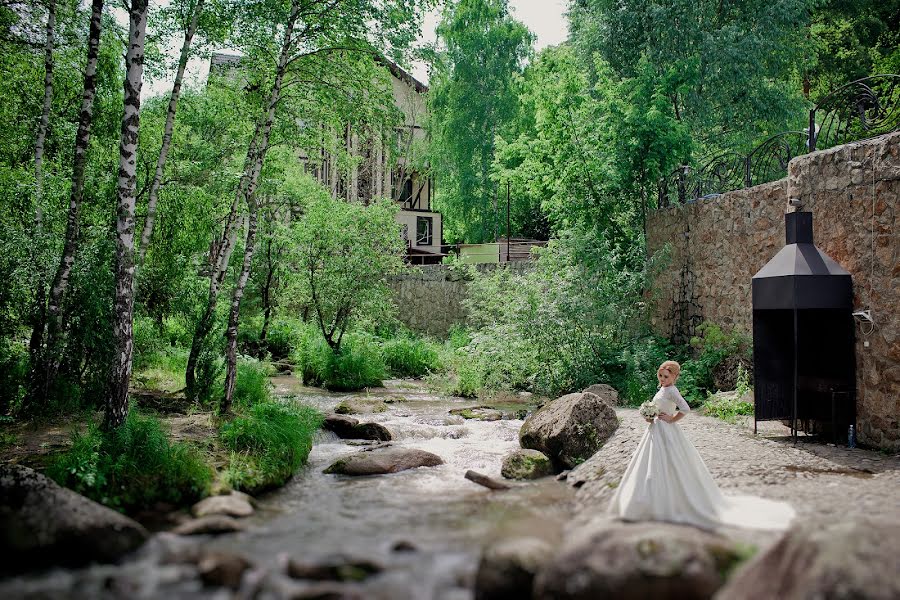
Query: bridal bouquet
(649, 410)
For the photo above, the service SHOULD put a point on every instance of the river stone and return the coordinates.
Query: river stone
(349, 428)
(43, 524)
(570, 429)
(232, 505)
(383, 460)
(507, 568)
(478, 413)
(209, 524)
(857, 558)
(355, 406)
(340, 570)
(222, 569)
(610, 559)
(607, 393)
(526, 464)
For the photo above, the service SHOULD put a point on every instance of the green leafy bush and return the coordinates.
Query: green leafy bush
(132, 467)
(729, 407)
(637, 382)
(283, 337)
(408, 356)
(268, 444)
(357, 365)
(711, 347)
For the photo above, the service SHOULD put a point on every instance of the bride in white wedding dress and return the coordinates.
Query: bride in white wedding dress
(667, 480)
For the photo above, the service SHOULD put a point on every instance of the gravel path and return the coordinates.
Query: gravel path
(817, 479)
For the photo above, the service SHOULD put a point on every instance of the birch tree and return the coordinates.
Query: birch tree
(123, 320)
(194, 11)
(314, 39)
(40, 295)
(47, 356)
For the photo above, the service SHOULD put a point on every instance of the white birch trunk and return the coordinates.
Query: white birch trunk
(46, 369)
(147, 232)
(38, 312)
(250, 196)
(123, 320)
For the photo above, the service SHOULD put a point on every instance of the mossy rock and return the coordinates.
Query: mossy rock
(526, 464)
(360, 406)
(478, 413)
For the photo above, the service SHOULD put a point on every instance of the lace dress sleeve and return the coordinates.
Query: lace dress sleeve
(680, 402)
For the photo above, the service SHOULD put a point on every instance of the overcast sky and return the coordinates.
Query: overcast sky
(545, 18)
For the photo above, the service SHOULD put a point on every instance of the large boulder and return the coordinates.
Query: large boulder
(43, 524)
(357, 406)
(610, 559)
(383, 460)
(607, 393)
(508, 566)
(349, 428)
(569, 429)
(857, 558)
(526, 464)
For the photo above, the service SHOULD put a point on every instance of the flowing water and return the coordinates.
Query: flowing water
(443, 517)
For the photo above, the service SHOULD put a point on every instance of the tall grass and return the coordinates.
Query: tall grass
(132, 467)
(408, 356)
(268, 443)
(252, 384)
(357, 365)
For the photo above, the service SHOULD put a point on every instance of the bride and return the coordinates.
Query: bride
(667, 480)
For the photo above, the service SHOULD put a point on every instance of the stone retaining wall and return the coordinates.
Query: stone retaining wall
(430, 298)
(718, 244)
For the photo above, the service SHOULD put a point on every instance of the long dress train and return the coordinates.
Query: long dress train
(667, 480)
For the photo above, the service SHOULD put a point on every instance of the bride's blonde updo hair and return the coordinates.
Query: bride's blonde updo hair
(672, 367)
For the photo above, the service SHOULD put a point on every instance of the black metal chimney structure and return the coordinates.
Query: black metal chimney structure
(804, 364)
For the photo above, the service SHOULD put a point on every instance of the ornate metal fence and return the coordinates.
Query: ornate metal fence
(858, 110)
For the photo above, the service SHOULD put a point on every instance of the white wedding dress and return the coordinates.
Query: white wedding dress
(667, 480)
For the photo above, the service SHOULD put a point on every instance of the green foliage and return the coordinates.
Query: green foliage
(711, 346)
(252, 385)
(637, 382)
(268, 444)
(730, 407)
(13, 374)
(722, 69)
(561, 325)
(408, 356)
(471, 99)
(344, 253)
(133, 467)
(743, 381)
(358, 364)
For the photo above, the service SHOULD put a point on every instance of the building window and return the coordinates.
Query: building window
(424, 230)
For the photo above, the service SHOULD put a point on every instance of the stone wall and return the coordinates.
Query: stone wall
(430, 298)
(718, 244)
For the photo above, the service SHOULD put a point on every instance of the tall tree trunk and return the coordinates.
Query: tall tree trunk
(167, 134)
(44, 372)
(250, 195)
(235, 312)
(267, 292)
(219, 258)
(38, 313)
(123, 319)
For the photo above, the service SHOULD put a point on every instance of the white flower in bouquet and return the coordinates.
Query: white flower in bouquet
(649, 410)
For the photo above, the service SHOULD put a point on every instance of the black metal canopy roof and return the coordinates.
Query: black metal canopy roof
(800, 275)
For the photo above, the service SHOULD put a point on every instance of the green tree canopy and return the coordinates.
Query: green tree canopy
(471, 100)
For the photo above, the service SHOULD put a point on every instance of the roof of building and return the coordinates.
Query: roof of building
(401, 74)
